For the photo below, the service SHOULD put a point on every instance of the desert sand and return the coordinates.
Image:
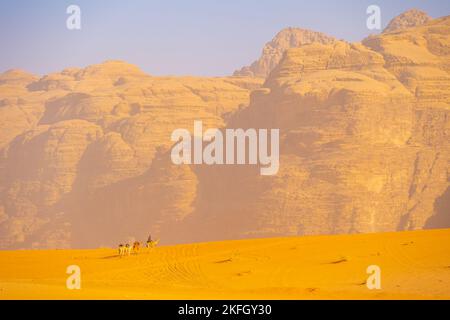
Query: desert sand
(414, 265)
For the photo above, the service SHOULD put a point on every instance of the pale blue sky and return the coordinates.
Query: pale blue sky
(174, 37)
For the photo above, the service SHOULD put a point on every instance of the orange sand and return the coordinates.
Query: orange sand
(414, 265)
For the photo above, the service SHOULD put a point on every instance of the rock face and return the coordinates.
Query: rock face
(273, 51)
(71, 137)
(408, 19)
(364, 147)
(355, 144)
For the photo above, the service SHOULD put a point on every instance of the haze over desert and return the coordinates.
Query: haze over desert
(363, 145)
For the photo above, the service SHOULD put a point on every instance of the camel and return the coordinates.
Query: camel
(121, 250)
(136, 247)
(152, 243)
(127, 249)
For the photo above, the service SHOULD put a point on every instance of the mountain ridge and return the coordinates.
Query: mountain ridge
(85, 153)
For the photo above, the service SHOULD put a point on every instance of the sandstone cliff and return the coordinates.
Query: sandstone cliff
(408, 19)
(72, 136)
(273, 51)
(364, 142)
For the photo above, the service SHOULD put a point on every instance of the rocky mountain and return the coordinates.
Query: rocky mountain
(364, 147)
(365, 138)
(408, 19)
(67, 137)
(273, 51)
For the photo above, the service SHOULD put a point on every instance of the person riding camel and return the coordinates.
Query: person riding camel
(150, 242)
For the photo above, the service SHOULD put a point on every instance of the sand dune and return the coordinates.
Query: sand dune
(414, 264)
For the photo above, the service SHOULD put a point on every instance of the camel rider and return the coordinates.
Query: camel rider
(149, 241)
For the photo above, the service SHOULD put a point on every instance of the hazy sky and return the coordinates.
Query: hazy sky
(179, 37)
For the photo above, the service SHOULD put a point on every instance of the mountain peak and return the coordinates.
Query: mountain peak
(17, 76)
(112, 68)
(273, 51)
(408, 19)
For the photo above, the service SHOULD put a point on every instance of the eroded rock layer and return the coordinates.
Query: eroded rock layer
(364, 144)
